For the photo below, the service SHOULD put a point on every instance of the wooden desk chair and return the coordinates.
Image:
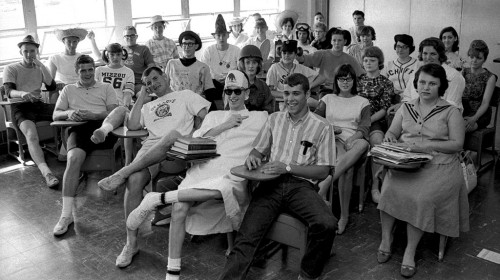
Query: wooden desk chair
(484, 139)
(286, 230)
(16, 141)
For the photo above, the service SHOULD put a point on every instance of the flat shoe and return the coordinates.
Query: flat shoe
(62, 226)
(126, 256)
(111, 183)
(408, 271)
(51, 180)
(383, 256)
(342, 224)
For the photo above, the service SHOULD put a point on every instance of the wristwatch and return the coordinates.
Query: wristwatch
(288, 169)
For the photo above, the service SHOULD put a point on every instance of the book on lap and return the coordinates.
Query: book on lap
(191, 144)
(174, 154)
(193, 151)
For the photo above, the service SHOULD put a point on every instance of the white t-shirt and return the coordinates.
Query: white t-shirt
(173, 111)
(122, 80)
(277, 74)
(399, 73)
(195, 77)
(65, 67)
(220, 62)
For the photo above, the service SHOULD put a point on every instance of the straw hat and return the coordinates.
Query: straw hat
(80, 33)
(156, 19)
(28, 40)
(236, 21)
(283, 15)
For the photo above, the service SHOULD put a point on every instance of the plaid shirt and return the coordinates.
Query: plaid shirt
(378, 91)
(162, 50)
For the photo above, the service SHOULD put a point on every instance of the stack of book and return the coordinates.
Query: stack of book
(188, 148)
(398, 155)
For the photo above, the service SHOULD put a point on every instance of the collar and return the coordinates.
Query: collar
(187, 61)
(303, 119)
(441, 102)
(96, 85)
(243, 112)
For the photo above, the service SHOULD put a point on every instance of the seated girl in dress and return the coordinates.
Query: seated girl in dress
(425, 199)
(479, 87)
(349, 113)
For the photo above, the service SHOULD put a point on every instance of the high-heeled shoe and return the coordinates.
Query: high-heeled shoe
(342, 224)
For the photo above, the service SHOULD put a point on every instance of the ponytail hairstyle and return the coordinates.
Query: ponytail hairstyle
(113, 48)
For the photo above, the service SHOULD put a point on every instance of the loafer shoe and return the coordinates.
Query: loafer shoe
(62, 226)
(112, 182)
(408, 271)
(51, 180)
(126, 256)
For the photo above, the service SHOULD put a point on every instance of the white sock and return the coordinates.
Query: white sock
(67, 209)
(171, 197)
(44, 168)
(106, 127)
(173, 265)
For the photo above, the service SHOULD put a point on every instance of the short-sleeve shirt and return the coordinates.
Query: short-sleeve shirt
(25, 79)
(309, 141)
(173, 111)
(162, 50)
(399, 73)
(94, 99)
(65, 67)
(277, 74)
(377, 90)
(122, 80)
(139, 57)
(195, 77)
(327, 62)
(220, 62)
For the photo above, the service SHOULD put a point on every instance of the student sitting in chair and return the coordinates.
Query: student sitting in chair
(22, 81)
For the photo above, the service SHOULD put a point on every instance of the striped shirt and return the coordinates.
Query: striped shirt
(163, 50)
(309, 141)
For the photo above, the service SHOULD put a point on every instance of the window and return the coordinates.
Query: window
(60, 12)
(12, 14)
(204, 6)
(149, 8)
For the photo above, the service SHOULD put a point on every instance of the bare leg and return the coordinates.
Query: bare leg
(76, 157)
(345, 190)
(376, 139)
(414, 236)
(129, 150)
(133, 196)
(177, 229)
(28, 128)
(324, 186)
(387, 222)
(350, 158)
(112, 121)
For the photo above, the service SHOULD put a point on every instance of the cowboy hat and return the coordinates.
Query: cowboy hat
(80, 33)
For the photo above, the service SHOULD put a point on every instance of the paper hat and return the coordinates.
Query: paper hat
(80, 33)
(220, 25)
(28, 40)
(236, 78)
(156, 19)
(195, 36)
(289, 46)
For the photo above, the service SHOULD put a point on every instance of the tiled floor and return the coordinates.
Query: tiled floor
(28, 250)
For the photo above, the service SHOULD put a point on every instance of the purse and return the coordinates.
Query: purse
(469, 170)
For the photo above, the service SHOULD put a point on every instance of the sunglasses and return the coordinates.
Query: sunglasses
(237, 91)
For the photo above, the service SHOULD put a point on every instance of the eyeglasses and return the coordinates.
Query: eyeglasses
(187, 44)
(345, 80)
(404, 47)
(236, 91)
(130, 36)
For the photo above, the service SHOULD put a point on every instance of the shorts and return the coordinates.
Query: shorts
(35, 112)
(167, 166)
(79, 137)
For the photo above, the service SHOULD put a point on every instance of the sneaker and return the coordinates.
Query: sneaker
(148, 204)
(98, 136)
(51, 180)
(126, 256)
(112, 182)
(63, 225)
(376, 196)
